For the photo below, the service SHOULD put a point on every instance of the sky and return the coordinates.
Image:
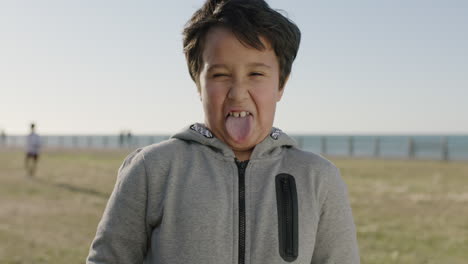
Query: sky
(363, 67)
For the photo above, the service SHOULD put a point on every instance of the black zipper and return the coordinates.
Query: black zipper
(241, 166)
(286, 197)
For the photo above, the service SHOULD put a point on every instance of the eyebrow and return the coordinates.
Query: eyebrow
(215, 66)
(223, 66)
(258, 64)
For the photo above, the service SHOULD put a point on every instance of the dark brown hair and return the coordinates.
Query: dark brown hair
(248, 20)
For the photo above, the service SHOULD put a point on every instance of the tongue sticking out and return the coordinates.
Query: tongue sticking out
(239, 127)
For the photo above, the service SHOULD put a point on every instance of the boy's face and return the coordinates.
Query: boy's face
(239, 88)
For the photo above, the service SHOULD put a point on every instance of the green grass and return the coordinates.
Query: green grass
(52, 217)
(405, 211)
(409, 211)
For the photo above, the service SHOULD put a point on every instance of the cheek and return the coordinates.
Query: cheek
(213, 98)
(267, 100)
(212, 94)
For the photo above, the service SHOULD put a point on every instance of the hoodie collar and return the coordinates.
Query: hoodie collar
(270, 146)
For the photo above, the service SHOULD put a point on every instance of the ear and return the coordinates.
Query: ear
(279, 95)
(281, 90)
(199, 92)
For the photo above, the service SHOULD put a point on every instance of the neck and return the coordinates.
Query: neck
(243, 155)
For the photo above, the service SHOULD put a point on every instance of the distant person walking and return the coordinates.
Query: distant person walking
(129, 138)
(33, 145)
(121, 138)
(3, 138)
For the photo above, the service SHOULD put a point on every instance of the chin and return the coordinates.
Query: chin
(248, 143)
(242, 148)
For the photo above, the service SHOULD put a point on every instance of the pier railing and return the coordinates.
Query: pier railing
(403, 147)
(408, 147)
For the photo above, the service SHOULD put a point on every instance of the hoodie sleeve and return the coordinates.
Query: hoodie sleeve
(122, 235)
(336, 240)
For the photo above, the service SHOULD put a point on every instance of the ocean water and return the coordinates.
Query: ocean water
(453, 147)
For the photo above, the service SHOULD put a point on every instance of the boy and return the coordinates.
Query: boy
(33, 145)
(234, 189)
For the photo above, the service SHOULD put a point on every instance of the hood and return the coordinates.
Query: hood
(270, 146)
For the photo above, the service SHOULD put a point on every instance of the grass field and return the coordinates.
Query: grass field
(405, 211)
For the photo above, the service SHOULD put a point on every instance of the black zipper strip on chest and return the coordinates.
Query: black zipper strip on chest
(286, 198)
(241, 165)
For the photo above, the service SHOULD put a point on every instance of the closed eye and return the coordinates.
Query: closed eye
(219, 75)
(256, 74)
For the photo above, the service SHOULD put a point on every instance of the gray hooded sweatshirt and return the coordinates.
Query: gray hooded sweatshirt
(188, 200)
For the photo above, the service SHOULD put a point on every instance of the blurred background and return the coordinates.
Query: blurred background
(378, 87)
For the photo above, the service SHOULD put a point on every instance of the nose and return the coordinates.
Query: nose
(238, 91)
